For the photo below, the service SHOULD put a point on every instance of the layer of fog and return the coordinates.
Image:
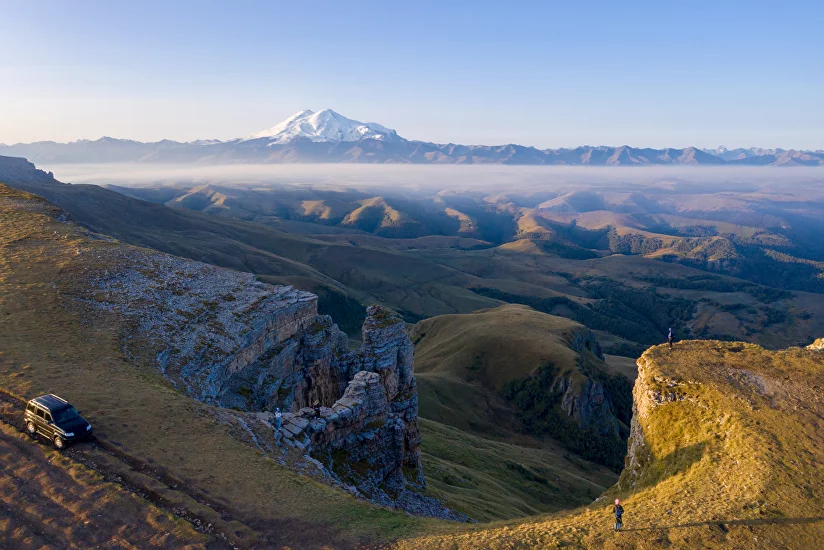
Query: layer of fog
(489, 178)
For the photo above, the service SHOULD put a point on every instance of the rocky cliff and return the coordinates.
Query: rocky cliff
(585, 400)
(251, 348)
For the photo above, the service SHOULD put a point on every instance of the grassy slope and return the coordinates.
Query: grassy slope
(86, 512)
(475, 456)
(367, 273)
(623, 365)
(419, 277)
(462, 361)
(50, 343)
(733, 459)
(492, 480)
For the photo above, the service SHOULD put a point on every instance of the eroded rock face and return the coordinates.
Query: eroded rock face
(818, 345)
(582, 340)
(648, 393)
(587, 402)
(590, 407)
(638, 453)
(231, 341)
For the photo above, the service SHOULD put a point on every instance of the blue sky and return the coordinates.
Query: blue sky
(549, 74)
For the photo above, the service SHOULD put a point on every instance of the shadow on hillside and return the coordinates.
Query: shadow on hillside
(727, 522)
(677, 462)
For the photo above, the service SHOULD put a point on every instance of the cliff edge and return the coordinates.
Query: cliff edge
(726, 451)
(244, 349)
(348, 417)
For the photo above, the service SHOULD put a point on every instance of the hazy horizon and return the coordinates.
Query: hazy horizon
(491, 144)
(500, 178)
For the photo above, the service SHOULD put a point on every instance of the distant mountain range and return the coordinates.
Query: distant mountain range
(327, 136)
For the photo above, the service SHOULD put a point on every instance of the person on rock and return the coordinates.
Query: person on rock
(278, 418)
(670, 338)
(316, 406)
(618, 510)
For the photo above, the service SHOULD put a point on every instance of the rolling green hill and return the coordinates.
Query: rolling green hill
(631, 299)
(751, 231)
(513, 371)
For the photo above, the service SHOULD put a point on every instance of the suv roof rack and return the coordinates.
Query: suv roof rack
(50, 401)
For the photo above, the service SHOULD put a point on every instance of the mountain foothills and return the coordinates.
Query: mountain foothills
(327, 136)
(724, 444)
(185, 315)
(721, 260)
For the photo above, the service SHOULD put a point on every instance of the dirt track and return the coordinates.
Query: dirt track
(62, 500)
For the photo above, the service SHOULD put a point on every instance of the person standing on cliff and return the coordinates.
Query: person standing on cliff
(278, 418)
(670, 338)
(618, 510)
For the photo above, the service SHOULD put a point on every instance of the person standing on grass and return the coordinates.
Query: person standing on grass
(670, 338)
(618, 510)
(278, 417)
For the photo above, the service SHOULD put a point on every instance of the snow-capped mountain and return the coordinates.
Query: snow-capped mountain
(327, 136)
(323, 126)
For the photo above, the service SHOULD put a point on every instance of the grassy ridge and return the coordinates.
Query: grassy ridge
(495, 373)
(727, 453)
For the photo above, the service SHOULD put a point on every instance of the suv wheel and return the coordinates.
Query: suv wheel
(59, 444)
(31, 429)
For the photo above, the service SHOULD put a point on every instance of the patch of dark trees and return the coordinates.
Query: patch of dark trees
(639, 315)
(541, 414)
(712, 283)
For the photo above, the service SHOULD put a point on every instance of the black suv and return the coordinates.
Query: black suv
(54, 418)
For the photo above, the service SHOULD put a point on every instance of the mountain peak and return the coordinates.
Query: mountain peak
(324, 126)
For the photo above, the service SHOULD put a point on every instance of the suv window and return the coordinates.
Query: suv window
(30, 408)
(40, 413)
(65, 414)
(48, 417)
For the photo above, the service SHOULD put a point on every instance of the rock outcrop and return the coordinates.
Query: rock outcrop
(585, 340)
(586, 402)
(584, 399)
(725, 452)
(245, 346)
(818, 345)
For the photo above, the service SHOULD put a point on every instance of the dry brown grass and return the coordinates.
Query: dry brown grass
(48, 500)
(734, 461)
(50, 343)
(737, 464)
